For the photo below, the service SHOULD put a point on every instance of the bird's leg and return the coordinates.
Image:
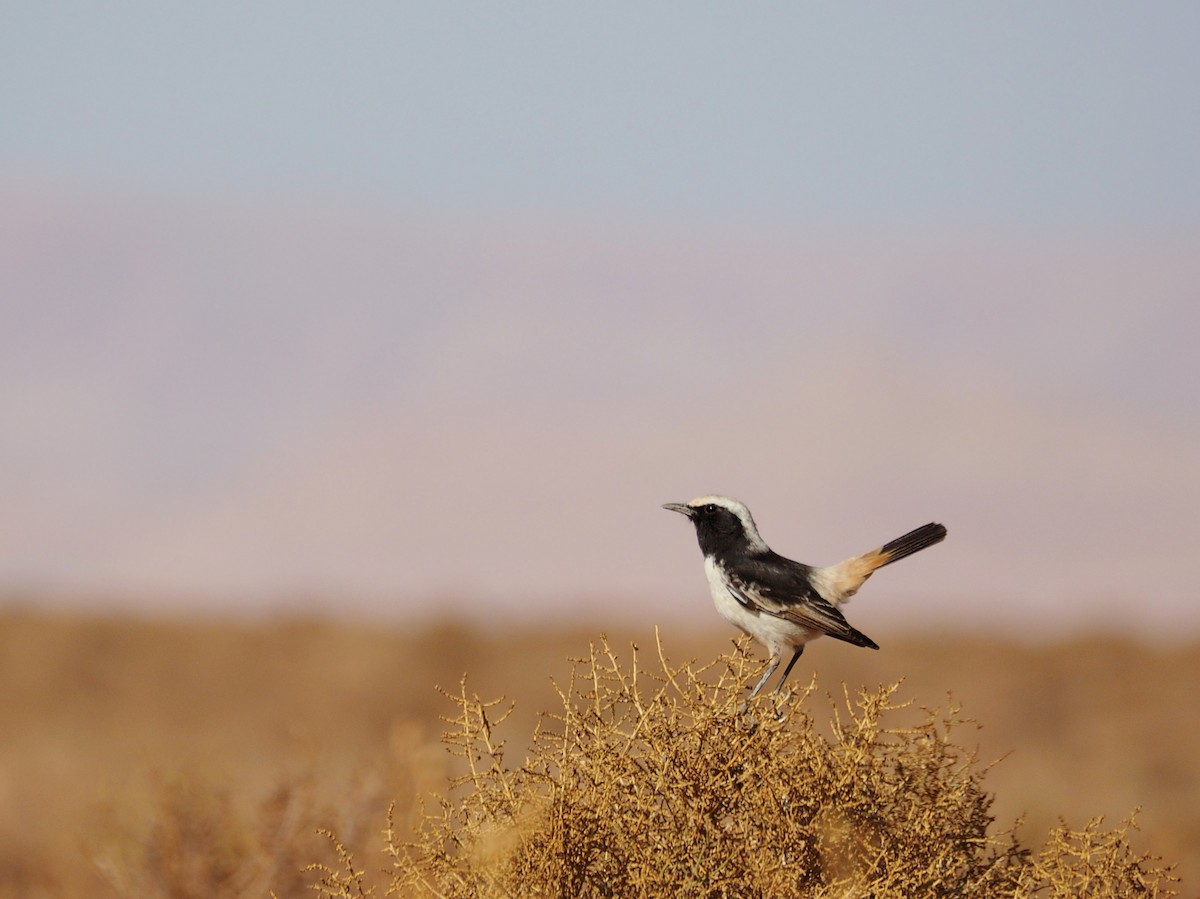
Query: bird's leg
(788, 670)
(766, 677)
(761, 681)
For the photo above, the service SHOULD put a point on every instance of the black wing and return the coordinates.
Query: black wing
(770, 584)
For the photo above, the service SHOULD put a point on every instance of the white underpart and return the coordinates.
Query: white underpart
(780, 636)
(739, 509)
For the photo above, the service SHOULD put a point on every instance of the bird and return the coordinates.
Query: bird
(781, 603)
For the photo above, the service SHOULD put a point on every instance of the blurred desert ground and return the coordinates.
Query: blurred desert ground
(125, 737)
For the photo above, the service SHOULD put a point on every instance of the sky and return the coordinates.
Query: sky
(401, 310)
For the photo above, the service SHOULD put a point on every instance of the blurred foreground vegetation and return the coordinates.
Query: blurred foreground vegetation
(200, 759)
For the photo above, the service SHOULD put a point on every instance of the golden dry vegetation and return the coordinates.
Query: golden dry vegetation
(161, 758)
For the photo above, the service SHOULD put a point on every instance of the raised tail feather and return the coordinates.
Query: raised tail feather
(838, 583)
(914, 541)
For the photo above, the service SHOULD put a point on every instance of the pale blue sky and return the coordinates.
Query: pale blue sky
(1076, 113)
(420, 306)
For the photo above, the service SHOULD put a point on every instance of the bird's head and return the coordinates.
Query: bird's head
(721, 524)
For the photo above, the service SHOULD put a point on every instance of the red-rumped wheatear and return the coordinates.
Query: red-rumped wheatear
(780, 603)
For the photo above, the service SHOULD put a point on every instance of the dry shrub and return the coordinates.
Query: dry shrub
(204, 840)
(201, 840)
(653, 783)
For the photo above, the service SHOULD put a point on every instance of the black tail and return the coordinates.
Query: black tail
(914, 541)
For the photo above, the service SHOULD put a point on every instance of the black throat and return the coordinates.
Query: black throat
(721, 533)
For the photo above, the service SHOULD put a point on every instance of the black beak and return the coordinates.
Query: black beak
(680, 508)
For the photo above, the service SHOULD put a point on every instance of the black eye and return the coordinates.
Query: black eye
(710, 508)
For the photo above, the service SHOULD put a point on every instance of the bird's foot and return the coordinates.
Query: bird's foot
(745, 713)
